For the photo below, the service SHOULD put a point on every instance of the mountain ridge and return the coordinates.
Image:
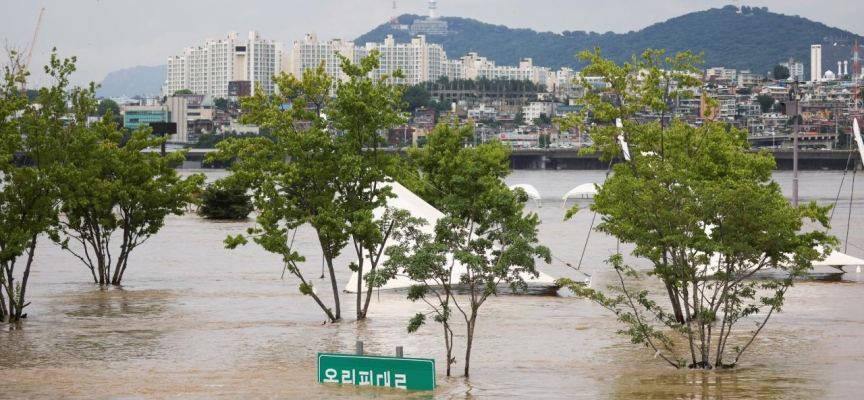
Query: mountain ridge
(137, 80)
(755, 39)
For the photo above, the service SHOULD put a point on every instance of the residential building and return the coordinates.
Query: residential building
(534, 109)
(309, 53)
(749, 79)
(209, 68)
(796, 70)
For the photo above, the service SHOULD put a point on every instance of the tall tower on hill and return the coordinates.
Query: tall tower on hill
(432, 7)
(856, 62)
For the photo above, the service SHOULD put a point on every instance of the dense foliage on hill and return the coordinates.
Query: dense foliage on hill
(756, 39)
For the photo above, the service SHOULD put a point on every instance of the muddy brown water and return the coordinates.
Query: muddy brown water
(194, 320)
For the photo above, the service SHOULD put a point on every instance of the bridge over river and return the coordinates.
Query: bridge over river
(570, 159)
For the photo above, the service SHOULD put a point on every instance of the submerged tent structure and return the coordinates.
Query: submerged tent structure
(406, 200)
(584, 190)
(532, 192)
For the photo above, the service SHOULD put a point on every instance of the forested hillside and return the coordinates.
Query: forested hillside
(756, 39)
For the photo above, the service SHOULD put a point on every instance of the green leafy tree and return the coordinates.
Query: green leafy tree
(333, 182)
(106, 105)
(183, 91)
(766, 102)
(225, 202)
(519, 118)
(543, 119)
(415, 96)
(221, 104)
(28, 191)
(484, 229)
(781, 72)
(704, 213)
(117, 193)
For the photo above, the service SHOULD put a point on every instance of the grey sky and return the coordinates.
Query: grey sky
(107, 35)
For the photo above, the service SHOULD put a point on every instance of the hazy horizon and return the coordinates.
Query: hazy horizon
(121, 34)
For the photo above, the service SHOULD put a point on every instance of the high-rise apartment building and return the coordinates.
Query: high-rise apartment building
(796, 69)
(309, 53)
(419, 60)
(816, 62)
(209, 68)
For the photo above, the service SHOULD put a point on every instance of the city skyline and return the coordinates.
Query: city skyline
(125, 34)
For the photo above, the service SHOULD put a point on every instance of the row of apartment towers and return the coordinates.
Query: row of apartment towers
(251, 62)
(209, 69)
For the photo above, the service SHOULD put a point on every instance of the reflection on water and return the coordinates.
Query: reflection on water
(196, 320)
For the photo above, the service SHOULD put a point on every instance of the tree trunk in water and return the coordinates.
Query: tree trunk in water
(336, 307)
(360, 310)
(469, 341)
(676, 303)
(449, 346)
(25, 277)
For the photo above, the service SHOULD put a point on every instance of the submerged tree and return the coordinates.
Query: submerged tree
(29, 198)
(705, 214)
(117, 194)
(484, 229)
(334, 180)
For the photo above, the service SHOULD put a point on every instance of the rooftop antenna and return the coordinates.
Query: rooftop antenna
(432, 7)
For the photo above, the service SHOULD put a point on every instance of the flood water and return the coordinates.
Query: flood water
(194, 320)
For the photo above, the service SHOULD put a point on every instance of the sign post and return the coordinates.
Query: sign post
(395, 372)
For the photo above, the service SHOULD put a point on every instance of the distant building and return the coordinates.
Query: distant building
(309, 53)
(534, 109)
(431, 25)
(796, 70)
(135, 116)
(815, 62)
(720, 74)
(237, 89)
(749, 79)
(209, 68)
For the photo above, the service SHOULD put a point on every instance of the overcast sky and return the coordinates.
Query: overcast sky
(108, 35)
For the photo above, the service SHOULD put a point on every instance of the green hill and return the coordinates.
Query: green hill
(756, 39)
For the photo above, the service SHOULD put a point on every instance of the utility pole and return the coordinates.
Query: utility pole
(791, 108)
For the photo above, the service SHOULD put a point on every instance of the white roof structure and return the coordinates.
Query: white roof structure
(584, 190)
(532, 192)
(838, 260)
(407, 200)
(835, 260)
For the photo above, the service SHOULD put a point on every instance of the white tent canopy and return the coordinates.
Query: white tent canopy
(407, 200)
(584, 190)
(532, 192)
(835, 260)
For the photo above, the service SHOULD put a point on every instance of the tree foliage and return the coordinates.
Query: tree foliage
(334, 180)
(225, 202)
(28, 191)
(766, 102)
(106, 105)
(117, 193)
(484, 229)
(781, 72)
(705, 214)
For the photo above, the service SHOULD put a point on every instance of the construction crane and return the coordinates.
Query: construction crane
(24, 68)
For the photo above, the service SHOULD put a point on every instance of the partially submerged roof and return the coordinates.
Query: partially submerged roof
(406, 200)
(585, 190)
(531, 191)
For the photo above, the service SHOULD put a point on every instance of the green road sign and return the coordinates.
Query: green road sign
(395, 372)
